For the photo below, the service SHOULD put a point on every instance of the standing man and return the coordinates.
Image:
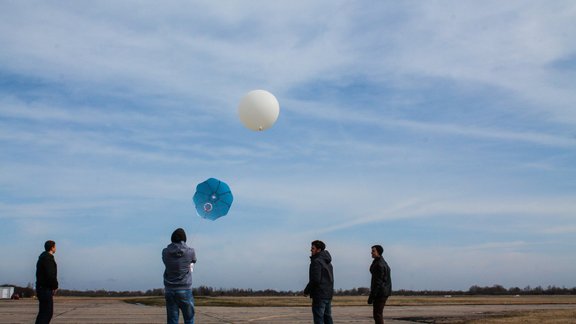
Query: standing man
(321, 283)
(46, 282)
(179, 260)
(380, 285)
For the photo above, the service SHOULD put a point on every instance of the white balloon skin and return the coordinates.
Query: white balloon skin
(258, 110)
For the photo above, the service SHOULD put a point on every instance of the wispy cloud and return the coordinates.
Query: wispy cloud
(438, 208)
(495, 45)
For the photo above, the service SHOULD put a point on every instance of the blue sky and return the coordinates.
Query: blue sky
(443, 130)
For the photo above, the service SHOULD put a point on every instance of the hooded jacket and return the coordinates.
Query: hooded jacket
(381, 284)
(321, 283)
(177, 258)
(46, 272)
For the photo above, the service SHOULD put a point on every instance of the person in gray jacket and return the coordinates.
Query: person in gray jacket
(179, 260)
(380, 285)
(321, 284)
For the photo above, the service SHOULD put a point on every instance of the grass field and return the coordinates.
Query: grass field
(361, 301)
(516, 317)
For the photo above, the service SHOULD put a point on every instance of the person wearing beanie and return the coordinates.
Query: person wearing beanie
(179, 260)
(178, 236)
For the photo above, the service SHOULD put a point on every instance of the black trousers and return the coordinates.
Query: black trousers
(46, 305)
(378, 309)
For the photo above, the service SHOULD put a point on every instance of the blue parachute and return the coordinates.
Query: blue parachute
(213, 199)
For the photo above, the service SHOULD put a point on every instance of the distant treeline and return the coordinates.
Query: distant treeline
(362, 291)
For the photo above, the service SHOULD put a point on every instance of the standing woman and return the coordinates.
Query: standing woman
(380, 285)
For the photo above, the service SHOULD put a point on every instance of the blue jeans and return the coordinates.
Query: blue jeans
(322, 311)
(179, 299)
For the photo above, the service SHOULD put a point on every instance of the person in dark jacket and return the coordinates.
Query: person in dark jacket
(179, 260)
(321, 283)
(46, 282)
(380, 285)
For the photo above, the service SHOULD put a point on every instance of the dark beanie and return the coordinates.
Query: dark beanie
(178, 236)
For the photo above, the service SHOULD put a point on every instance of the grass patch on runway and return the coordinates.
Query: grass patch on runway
(230, 301)
(301, 301)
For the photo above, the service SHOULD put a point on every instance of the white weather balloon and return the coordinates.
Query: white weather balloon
(258, 110)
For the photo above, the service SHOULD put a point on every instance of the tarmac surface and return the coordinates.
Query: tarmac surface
(109, 310)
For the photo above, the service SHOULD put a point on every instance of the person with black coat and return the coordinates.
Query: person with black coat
(321, 284)
(380, 285)
(46, 282)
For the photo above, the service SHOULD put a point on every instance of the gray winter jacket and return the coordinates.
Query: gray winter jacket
(177, 258)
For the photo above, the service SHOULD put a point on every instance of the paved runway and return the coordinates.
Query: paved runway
(108, 310)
